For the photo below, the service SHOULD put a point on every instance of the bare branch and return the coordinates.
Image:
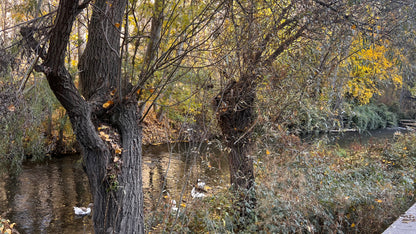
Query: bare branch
(83, 5)
(31, 42)
(283, 46)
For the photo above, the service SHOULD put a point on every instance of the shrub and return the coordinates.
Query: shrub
(370, 117)
(22, 124)
(19, 127)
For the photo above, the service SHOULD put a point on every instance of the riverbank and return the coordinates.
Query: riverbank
(359, 188)
(155, 131)
(317, 188)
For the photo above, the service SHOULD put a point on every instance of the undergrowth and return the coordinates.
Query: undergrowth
(322, 189)
(313, 188)
(32, 125)
(328, 189)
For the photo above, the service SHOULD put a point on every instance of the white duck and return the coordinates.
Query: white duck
(82, 211)
(174, 207)
(199, 191)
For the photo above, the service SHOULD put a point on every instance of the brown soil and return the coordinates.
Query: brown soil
(157, 132)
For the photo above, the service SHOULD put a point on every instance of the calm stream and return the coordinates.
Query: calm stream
(41, 198)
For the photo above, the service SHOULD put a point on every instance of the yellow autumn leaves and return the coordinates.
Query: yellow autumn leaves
(111, 140)
(108, 104)
(369, 69)
(11, 108)
(5, 226)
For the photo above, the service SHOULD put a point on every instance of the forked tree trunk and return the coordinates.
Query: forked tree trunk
(115, 179)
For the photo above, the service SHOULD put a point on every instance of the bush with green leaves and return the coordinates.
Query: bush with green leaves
(371, 116)
(310, 117)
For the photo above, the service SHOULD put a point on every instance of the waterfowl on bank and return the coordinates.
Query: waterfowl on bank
(82, 211)
(168, 201)
(198, 191)
(173, 206)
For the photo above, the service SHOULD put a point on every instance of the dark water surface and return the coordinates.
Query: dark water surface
(41, 198)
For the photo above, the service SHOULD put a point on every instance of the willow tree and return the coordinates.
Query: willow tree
(107, 111)
(257, 33)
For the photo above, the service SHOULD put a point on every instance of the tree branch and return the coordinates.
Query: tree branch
(31, 42)
(83, 5)
(58, 77)
(327, 5)
(285, 44)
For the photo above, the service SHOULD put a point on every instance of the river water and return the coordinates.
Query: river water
(41, 198)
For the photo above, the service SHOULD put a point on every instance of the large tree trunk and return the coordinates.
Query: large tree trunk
(236, 116)
(100, 64)
(113, 159)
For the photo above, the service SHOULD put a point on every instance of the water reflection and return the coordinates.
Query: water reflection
(41, 198)
(173, 170)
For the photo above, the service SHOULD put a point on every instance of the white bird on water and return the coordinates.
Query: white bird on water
(82, 211)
